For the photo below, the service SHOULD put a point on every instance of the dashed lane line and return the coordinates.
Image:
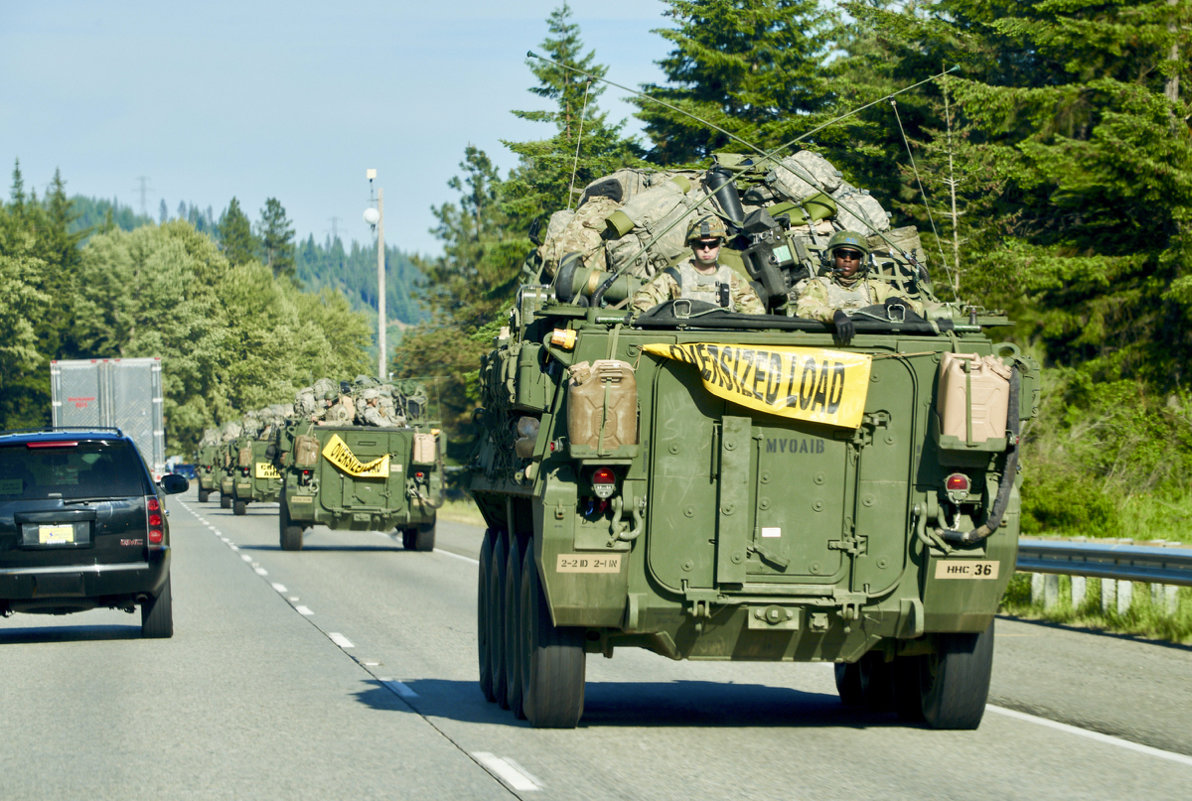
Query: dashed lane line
(512, 774)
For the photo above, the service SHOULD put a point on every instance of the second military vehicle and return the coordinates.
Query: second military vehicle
(713, 485)
(361, 477)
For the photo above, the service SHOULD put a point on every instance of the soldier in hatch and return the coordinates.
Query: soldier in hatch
(702, 277)
(371, 414)
(830, 298)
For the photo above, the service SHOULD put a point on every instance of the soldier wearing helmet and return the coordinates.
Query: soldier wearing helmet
(371, 414)
(830, 298)
(701, 277)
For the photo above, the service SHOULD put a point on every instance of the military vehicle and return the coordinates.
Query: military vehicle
(710, 485)
(255, 478)
(206, 461)
(361, 477)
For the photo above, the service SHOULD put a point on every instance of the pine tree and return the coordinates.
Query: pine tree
(277, 238)
(17, 194)
(235, 235)
(753, 68)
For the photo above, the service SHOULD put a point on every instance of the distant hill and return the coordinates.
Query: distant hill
(317, 265)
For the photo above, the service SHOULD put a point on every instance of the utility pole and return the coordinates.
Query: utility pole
(376, 219)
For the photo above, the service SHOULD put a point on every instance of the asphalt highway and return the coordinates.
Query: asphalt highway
(347, 670)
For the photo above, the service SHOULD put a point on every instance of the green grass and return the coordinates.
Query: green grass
(1144, 618)
(461, 512)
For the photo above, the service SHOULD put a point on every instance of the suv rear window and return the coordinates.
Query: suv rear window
(71, 469)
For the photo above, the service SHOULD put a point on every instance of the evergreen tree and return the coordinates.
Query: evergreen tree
(163, 213)
(17, 194)
(277, 238)
(235, 235)
(753, 68)
(553, 172)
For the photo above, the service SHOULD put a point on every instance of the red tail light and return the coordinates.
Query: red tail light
(157, 536)
(957, 482)
(604, 482)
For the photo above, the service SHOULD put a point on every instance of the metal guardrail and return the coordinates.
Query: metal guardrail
(1156, 565)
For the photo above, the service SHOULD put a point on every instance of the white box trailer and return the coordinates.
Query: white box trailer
(117, 393)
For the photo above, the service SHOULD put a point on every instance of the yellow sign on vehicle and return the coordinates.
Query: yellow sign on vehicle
(266, 470)
(339, 454)
(813, 384)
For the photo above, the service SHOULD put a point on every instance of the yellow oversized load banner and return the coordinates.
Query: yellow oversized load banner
(813, 384)
(339, 454)
(266, 470)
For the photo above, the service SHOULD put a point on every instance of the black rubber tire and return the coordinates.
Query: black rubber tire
(554, 660)
(225, 501)
(203, 495)
(848, 684)
(240, 507)
(157, 614)
(289, 536)
(953, 683)
(496, 618)
(421, 538)
(483, 649)
(513, 626)
(868, 683)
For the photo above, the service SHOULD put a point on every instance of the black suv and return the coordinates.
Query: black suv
(82, 525)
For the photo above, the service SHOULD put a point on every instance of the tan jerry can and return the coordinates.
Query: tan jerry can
(974, 396)
(424, 448)
(602, 405)
(306, 451)
(244, 457)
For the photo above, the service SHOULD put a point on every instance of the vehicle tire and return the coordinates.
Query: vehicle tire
(553, 660)
(239, 507)
(496, 617)
(513, 626)
(289, 535)
(953, 682)
(867, 683)
(225, 502)
(483, 647)
(203, 495)
(848, 683)
(421, 538)
(157, 614)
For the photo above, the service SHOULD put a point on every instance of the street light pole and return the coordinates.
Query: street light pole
(382, 363)
(376, 219)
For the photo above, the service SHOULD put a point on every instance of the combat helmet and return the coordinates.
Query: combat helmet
(706, 227)
(855, 241)
(850, 239)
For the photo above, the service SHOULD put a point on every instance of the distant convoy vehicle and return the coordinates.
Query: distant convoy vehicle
(83, 525)
(360, 478)
(124, 393)
(711, 485)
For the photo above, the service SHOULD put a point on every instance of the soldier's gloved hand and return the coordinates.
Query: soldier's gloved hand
(844, 327)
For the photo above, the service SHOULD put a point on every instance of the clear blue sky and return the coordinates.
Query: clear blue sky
(290, 99)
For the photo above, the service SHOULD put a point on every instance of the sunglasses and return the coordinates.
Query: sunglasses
(705, 244)
(849, 254)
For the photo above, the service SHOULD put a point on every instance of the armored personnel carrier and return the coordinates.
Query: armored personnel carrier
(711, 485)
(347, 476)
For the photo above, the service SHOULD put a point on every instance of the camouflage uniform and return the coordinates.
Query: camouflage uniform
(370, 414)
(685, 281)
(824, 295)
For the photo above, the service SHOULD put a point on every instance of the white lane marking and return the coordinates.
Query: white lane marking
(398, 687)
(302, 610)
(246, 557)
(280, 588)
(339, 639)
(1093, 735)
(260, 571)
(508, 771)
(458, 556)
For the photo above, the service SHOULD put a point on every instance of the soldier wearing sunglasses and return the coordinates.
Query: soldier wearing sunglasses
(830, 298)
(702, 277)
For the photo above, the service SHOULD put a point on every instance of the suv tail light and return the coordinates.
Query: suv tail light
(157, 536)
(604, 482)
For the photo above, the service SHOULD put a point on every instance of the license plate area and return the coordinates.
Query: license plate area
(75, 534)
